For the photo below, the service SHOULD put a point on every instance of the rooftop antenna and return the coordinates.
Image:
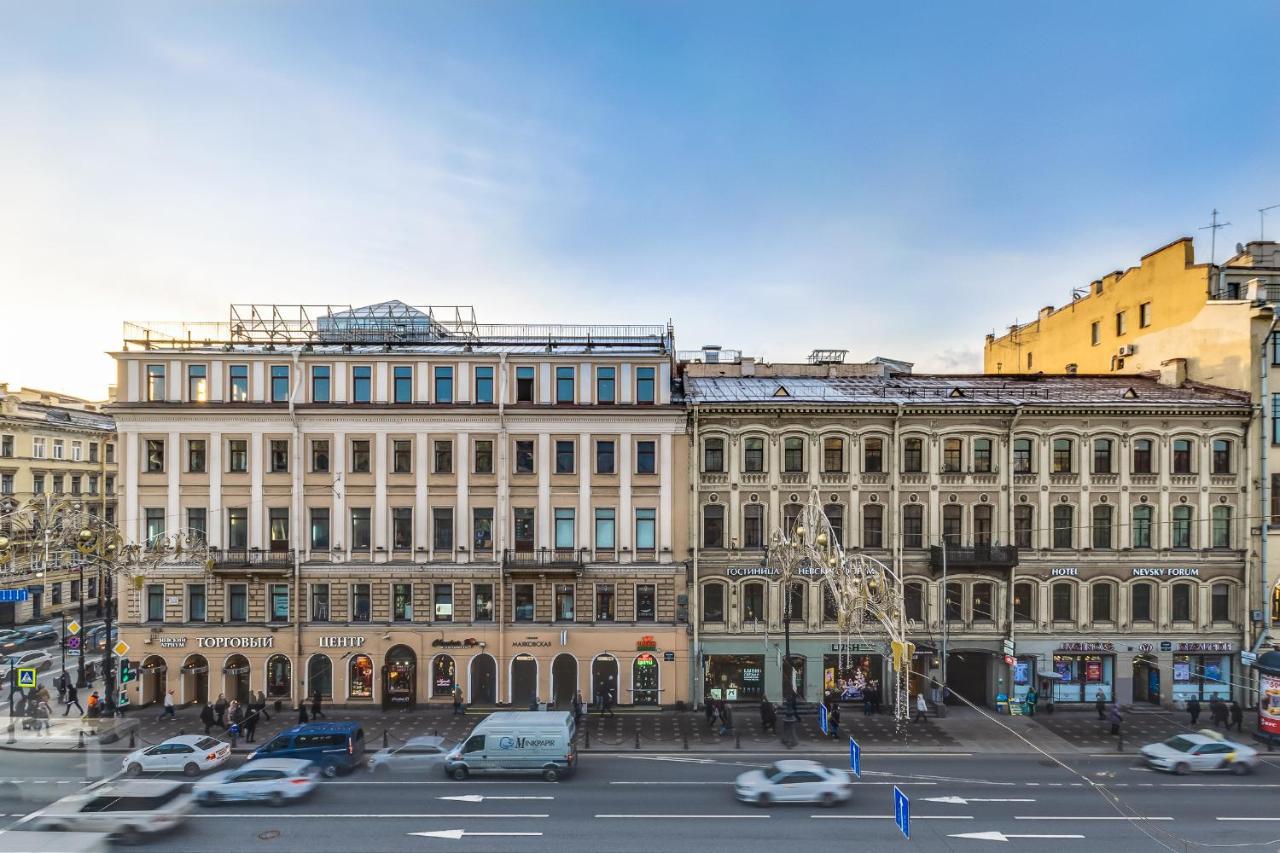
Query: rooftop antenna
(1262, 220)
(1212, 228)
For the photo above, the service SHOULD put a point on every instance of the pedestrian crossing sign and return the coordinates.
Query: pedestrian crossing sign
(27, 677)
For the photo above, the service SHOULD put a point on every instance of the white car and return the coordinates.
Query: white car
(41, 660)
(794, 782)
(275, 780)
(418, 755)
(189, 754)
(126, 808)
(1204, 750)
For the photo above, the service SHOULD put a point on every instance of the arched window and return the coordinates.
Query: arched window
(1220, 602)
(1142, 456)
(793, 454)
(1182, 456)
(830, 610)
(1140, 598)
(1063, 526)
(833, 454)
(753, 606)
(1221, 456)
(1063, 456)
(1102, 526)
(1222, 527)
(1181, 528)
(713, 526)
(361, 678)
(1064, 597)
(279, 677)
(1181, 600)
(952, 525)
(1024, 526)
(913, 455)
(713, 455)
(1024, 602)
(753, 454)
(873, 456)
(1102, 456)
(1102, 598)
(952, 455)
(713, 602)
(1141, 531)
(913, 526)
(835, 517)
(320, 676)
(913, 601)
(753, 526)
(873, 526)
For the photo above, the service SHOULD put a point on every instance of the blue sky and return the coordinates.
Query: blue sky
(896, 179)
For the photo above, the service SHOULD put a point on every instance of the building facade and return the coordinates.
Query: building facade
(53, 448)
(1095, 528)
(399, 501)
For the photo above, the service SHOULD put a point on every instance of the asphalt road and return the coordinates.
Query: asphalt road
(642, 803)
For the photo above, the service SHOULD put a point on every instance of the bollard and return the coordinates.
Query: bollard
(737, 741)
(80, 745)
(637, 738)
(385, 743)
(685, 735)
(435, 732)
(131, 743)
(1120, 741)
(587, 732)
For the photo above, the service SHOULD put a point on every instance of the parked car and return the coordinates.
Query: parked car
(418, 755)
(334, 747)
(189, 754)
(275, 780)
(1204, 750)
(37, 658)
(125, 808)
(794, 782)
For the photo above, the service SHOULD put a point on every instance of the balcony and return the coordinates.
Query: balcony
(250, 559)
(974, 557)
(553, 560)
(834, 478)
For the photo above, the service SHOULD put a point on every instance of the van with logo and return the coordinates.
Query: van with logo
(332, 747)
(538, 742)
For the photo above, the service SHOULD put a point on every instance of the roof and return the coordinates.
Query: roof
(960, 391)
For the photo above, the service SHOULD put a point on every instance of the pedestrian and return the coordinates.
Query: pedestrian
(868, 701)
(208, 717)
(61, 683)
(1100, 703)
(578, 709)
(220, 712)
(235, 713)
(42, 714)
(1193, 708)
(768, 716)
(316, 699)
(875, 697)
(250, 724)
(922, 709)
(833, 720)
(1237, 716)
(262, 706)
(1116, 718)
(726, 720)
(71, 698)
(457, 700)
(1219, 712)
(533, 705)
(709, 709)
(95, 705)
(608, 702)
(302, 711)
(167, 711)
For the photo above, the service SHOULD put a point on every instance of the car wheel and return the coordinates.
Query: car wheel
(763, 801)
(210, 800)
(275, 799)
(129, 836)
(1181, 769)
(1240, 768)
(460, 774)
(551, 774)
(134, 769)
(328, 771)
(191, 768)
(828, 800)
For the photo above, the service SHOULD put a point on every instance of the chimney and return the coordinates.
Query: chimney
(1173, 372)
(748, 366)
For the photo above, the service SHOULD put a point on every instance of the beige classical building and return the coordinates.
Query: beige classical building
(401, 501)
(1097, 523)
(53, 448)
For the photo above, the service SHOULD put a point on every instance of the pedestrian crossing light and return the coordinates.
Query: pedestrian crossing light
(127, 671)
(903, 653)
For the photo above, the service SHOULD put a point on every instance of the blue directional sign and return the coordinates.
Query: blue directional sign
(11, 595)
(822, 719)
(902, 812)
(855, 758)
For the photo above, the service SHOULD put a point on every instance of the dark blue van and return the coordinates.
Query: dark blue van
(333, 747)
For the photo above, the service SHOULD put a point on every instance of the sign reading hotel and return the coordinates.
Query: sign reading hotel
(752, 571)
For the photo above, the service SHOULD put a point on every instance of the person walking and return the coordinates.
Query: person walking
(726, 720)
(61, 683)
(607, 699)
(251, 724)
(709, 709)
(316, 699)
(1116, 718)
(1237, 717)
(70, 698)
(262, 706)
(95, 705)
(833, 720)
(1193, 709)
(578, 709)
(220, 712)
(457, 701)
(1100, 704)
(167, 710)
(1032, 699)
(208, 717)
(302, 711)
(768, 716)
(1218, 710)
(922, 709)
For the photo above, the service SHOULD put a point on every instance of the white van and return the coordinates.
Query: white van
(517, 742)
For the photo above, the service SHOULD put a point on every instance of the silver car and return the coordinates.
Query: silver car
(794, 782)
(126, 809)
(274, 780)
(418, 755)
(1204, 750)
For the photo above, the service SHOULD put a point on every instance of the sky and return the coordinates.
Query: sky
(895, 179)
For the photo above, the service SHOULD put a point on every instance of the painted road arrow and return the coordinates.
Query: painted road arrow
(455, 834)
(480, 798)
(961, 801)
(1000, 836)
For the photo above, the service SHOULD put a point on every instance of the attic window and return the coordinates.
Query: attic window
(956, 392)
(781, 392)
(1130, 394)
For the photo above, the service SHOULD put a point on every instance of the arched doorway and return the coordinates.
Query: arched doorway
(604, 678)
(153, 679)
(399, 677)
(320, 676)
(1146, 680)
(524, 680)
(444, 676)
(279, 677)
(564, 680)
(235, 678)
(484, 680)
(195, 680)
(645, 682)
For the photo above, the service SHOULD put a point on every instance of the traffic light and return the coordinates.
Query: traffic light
(127, 671)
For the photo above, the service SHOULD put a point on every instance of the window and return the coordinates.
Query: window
(604, 602)
(873, 526)
(360, 540)
(196, 455)
(1102, 596)
(360, 677)
(564, 457)
(1024, 602)
(713, 602)
(564, 602)
(753, 455)
(524, 456)
(237, 455)
(1142, 516)
(360, 602)
(360, 456)
(1182, 456)
(524, 384)
(1144, 315)
(238, 379)
(1180, 598)
(790, 515)
(605, 529)
(953, 603)
(59, 449)
(646, 457)
(279, 383)
(644, 385)
(1221, 456)
(237, 602)
(753, 602)
(484, 456)
(442, 455)
(522, 528)
(1102, 526)
(1140, 602)
(402, 602)
(197, 383)
(913, 601)
(93, 483)
(835, 517)
(713, 455)
(1102, 456)
(522, 602)
(1063, 526)
(6, 448)
(952, 451)
(646, 529)
(319, 529)
(982, 526)
(981, 597)
(605, 393)
(155, 456)
(442, 529)
(401, 456)
(913, 526)
(873, 456)
(605, 456)
(278, 528)
(1022, 456)
(155, 524)
(197, 521)
(564, 384)
(320, 456)
(402, 528)
(1220, 602)
(444, 385)
(93, 451)
(913, 455)
(37, 447)
(237, 527)
(196, 607)
(1063, 601)
(564, 528)
(362, 384)
(279, 601)
(793, 455)
(1142, 456)
(794, 605)
(1121, 323)
(155, 382)
(713, 526)
(57, 484)
(402, 384)
(484, 385)
(482, 608)
(1062, 455)
(753, 526)
(482, 528)
(982, 455)
(279, 456)
(1095, 332)
(155, 601)
(1221, 527)
(1181, 528)
(320, 383)
(646, 602)
(319, 602)
(952, 525)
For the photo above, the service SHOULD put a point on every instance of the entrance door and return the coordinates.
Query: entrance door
(644, 680)
(604, 677)
(399, 677)
(484, 680)
(564, 680)
(967, 676)
(524, 681)
(153, 679)
(1146, 680)
(235, 678)
(195, 680)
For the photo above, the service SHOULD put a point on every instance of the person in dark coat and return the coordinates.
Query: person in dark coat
(833, 720)
(1116, 718)
(1237, 716)
(250, 724)
(607, 703)
(726, 720)
(262, 706)
(220, 712)
(579, 709)
(1100, 704)
(1218, 709)
(70, 697)
(457, 700)
(768, 717)
(709, 708)
(1193, 708)
(302, 711)
(316, 713)
(208, 717)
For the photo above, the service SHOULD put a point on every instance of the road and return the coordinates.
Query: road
(641, 803)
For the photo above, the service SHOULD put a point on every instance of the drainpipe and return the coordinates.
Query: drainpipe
(500, 530)
(695, 609)
(894, 498)
(295, 523)
(1008, 476)
(1264, 492)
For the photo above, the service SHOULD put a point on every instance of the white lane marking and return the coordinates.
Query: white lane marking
(1000, 836)
(900, 784)
(455, 834)
(962, 801)
(296, 816)
(1085, 817)
(890, 817)
(669, 758)
(480, 798)
(698, 816)
(331, 782)
(1247, 818)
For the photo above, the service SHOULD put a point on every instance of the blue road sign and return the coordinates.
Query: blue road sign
(14, 594)
(902, 812)
(855, 758)
(26, 677)
(822, 718)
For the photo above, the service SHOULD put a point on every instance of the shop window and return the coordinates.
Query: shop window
(913, 601)
(1102, 598)
(833, 455)
(952, 455)
(982, 602)
(913, 455)
(753, 455)
(1142, 456)
(913, 526)
(1102, 526)
(646, 602)
(320, 676)
(735, 678)
(753, 603)
(713, 455)
(1141, 531)
(873, 456)
(1140, 595)
(1180, 601)
(1203, 677)
(443, 676)
(1024, 602)
(873, 526)
(753, 526)
(793, 455)
(1022, 456)
(1182, 456)
(713, 602)
(361, 678)
(564, 602)
(279, 677)
(1220, 602)
(1063, 526)
(982, 461)
(1063, 601)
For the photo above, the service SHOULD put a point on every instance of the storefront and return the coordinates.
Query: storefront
(399, 680)
(1202, 676)
(852, 677)
(734, 678)
(1024, 677)
(1085, 672)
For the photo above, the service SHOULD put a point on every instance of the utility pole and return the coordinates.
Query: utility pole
(1262, 221)
(1213, 228)
(946, 606)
